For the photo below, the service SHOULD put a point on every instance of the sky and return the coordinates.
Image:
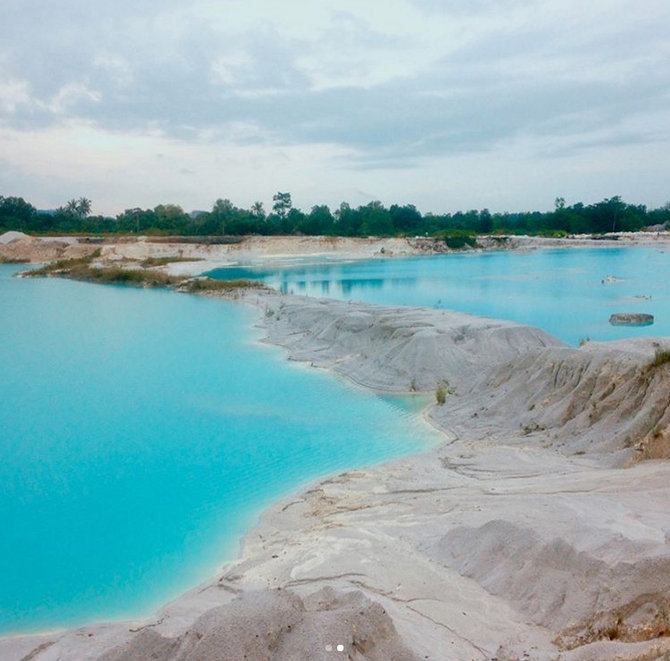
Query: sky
(445, 104)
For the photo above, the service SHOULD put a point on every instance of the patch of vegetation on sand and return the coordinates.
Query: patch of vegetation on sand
(115, 275)
(62, 266)
(458, 239)
(162, 261)
(83, 269)
(662, 357)
(224, 286)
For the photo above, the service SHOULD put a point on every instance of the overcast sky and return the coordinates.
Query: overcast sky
(447, 104)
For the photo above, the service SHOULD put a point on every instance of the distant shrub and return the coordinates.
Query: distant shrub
(63, 265)
(459, 239)
(661, 357)
(162, 261)
(441, 394)
(553, 233)
(116, 275)
(197, 240)
(210, 284)
(81, 269)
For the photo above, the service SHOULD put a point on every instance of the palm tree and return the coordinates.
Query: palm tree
(79, 208)
(83, 205)
(257, 210)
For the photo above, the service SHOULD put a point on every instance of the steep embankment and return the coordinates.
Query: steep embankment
(398, 349)
(513, 383)
(213, 251)
(605, 398)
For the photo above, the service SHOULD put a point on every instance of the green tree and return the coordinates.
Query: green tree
(170, 218)
(405, 219)
(71, 216)
(375, 219)
(223, 212)
(605, 216)
(282, 204)
(319, 221)
(347, 220)
(77, 208)
(136, 220)
(17, 214)
(485, 222)
(204, 224)
(257, 210)
(83, 206)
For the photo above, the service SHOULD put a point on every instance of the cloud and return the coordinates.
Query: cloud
(188, 78)
(470, 8)
(383, 86)
(13, 95)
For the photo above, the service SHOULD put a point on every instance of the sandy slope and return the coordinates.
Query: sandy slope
(509, 541)
(17, 246)
(533, 532)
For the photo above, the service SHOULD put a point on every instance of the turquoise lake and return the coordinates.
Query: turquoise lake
(141, 434)
(560, 291)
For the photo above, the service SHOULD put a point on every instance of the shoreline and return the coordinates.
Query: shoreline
(508, 439)
(18, 247)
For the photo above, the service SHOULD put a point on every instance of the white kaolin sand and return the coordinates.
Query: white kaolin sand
(538, 530)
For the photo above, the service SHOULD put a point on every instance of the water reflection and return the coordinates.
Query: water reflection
(560, 291)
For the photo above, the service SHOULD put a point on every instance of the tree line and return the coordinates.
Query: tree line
(372, 219)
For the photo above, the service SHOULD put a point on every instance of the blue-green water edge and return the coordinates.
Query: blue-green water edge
(561, 290)
(141, 433)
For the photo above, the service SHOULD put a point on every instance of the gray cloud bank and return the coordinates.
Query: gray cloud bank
(157, 68)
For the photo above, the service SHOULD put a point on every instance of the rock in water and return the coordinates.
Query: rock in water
(631, 319)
